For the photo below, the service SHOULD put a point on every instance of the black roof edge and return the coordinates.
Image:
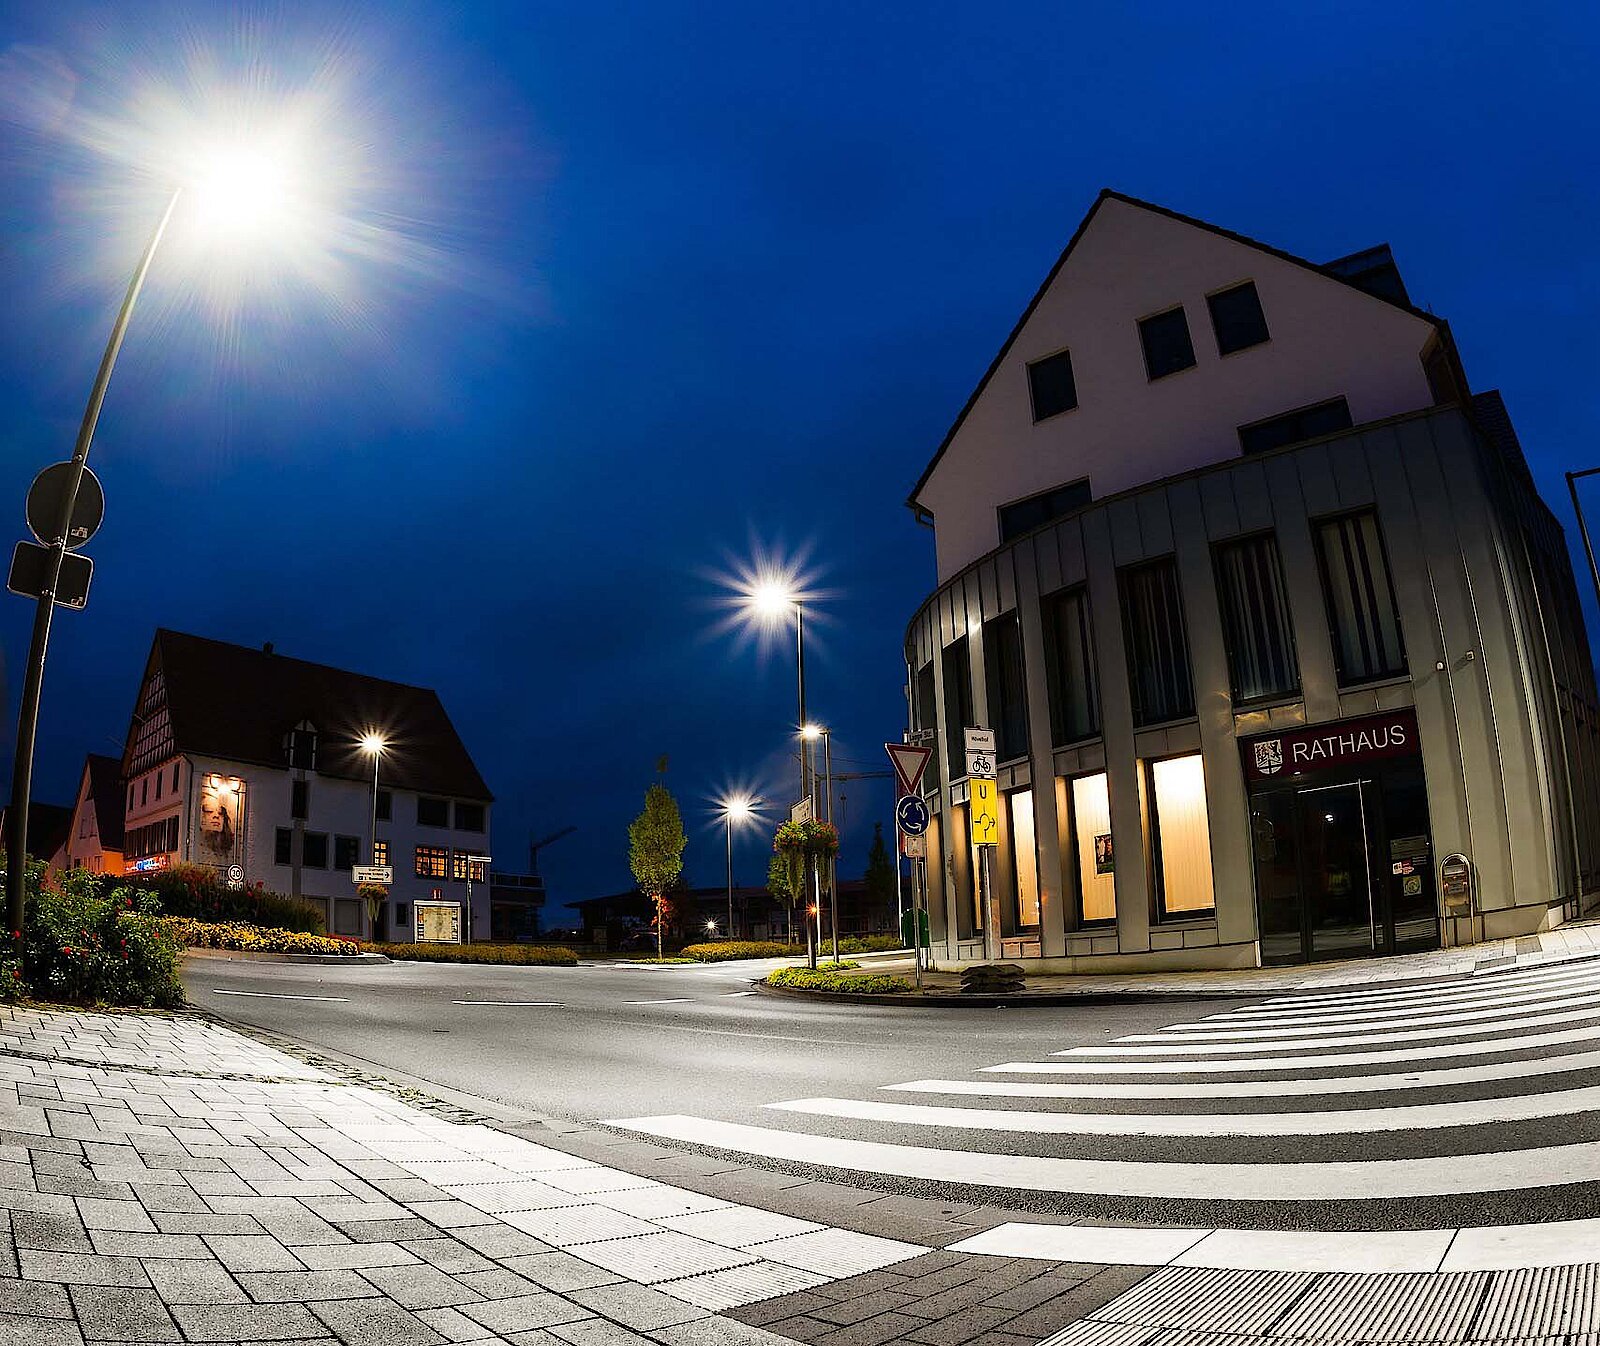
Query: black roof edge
(1109, 193)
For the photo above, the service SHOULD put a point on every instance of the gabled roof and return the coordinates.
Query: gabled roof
(49, 825)
(1107, 194)
(236, 702)
(105, 791)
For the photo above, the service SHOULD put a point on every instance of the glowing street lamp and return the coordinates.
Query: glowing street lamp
(241, 192)
(768, 597)
(736, 811)
(374, 744)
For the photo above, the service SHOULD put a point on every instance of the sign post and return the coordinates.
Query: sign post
(910, 762)
(984, 825)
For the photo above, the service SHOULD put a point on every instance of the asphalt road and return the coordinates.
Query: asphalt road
(1460, 1102)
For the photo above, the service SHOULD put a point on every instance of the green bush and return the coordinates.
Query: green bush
(202, 893)
(524, 955)
(90, 943)
(658, 962)
(726, 951)
(825, 979)
(254, 939)
(870, 944)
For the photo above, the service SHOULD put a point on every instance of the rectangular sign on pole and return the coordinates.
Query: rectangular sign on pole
(980, 753)
(909, 760)
(980, 740)
(372, 874)
(29, 565)
(913, 848)
(801, 812)
(985, 813)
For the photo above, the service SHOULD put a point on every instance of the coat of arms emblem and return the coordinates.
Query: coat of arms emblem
(1269, 756)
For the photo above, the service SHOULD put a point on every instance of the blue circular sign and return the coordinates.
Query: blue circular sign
(912, 814)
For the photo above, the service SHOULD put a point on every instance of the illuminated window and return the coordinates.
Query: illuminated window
(1097, 884)
(1024, 857)
(1181, 835)
(433, 862)
(459, 865)
(380, 852)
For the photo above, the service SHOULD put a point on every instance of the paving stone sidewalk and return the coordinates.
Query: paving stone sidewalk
(163, 1179)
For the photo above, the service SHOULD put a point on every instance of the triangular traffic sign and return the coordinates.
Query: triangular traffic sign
(910, 760)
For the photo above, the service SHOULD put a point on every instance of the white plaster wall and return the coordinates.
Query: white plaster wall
(1327, 339)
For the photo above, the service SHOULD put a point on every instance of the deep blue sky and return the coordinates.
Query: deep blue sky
(715, 273)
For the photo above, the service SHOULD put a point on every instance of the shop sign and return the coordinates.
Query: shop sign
(1327, 747)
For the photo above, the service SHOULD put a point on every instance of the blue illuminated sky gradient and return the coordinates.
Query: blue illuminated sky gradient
(703, 275)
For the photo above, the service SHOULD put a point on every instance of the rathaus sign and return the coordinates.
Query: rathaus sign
(1321, 747)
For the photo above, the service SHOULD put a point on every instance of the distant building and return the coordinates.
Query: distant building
(47, 828)
(250, 763)
(515, 904)
(701, 913)
(1281, 649)
(94, 835)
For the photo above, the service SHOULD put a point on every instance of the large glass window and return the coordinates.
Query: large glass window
(1051, 386)
(1023, 516)
(1167, 347)
(928, 718)
(1181, 835)
(1237, 318)
(1091, 825)
(1157, 643)
(1008, 694)
(1069, 667)
(1256, 625)
(1362, 616)
(1024, 857)
(314, 850)
(957, 706)
(432, 862)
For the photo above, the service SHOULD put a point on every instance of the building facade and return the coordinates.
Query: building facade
(251, 763)
(1281, 648)
(94, 838)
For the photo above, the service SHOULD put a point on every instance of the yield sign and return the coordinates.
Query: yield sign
(910, 760)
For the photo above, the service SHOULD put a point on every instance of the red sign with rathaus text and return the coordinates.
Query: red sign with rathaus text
(1292, 753)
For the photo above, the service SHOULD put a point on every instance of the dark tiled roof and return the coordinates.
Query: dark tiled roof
(48, 827)
(235, 702)
(105, 789)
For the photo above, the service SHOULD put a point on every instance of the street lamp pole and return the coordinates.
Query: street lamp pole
(33, 683)
(833, 860)
(800, 661)
(727, 818)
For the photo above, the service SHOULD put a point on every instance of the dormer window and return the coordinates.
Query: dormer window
(1051, 387)
(300, 747)
(1167, 347)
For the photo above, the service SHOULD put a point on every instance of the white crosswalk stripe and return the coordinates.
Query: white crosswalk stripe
(1447, 1093)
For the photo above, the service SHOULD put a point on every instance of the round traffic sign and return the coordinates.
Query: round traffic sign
(46, 497)
(912, 815)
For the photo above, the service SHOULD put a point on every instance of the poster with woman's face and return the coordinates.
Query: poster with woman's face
(217, 842)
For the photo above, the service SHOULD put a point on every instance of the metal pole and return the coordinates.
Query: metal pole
(372, 853)
(33, 684)
(833, 860)
(800, 661)
(727, 818)
(1583, 528)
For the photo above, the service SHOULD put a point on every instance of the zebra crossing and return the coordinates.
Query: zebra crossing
(1415, 1107)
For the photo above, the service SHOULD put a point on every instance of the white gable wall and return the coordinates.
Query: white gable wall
(1327, 339)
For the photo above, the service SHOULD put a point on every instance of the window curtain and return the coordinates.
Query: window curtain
(1256, 621)
(1157, 644)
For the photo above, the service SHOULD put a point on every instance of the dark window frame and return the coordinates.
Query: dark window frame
(1249, 433)
(1148, 326)
(385, 806)
(300, 800)
(1064, 355)
(1216, 329)
(1016, 519)
(427, 801)
(1061, 734)
(1008, 706)
(283, 846)
(956, 725)
(1346, 681)
(473, 810)
(1183, 708)
(313, 843)
(346, 851)
(1292, 654)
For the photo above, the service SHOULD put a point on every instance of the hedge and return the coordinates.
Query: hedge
(255, 939)
(525, 955)
(202, 893)
(657, 962)
(89, 943)
(857, 983)
(727, 950)
(871, 944)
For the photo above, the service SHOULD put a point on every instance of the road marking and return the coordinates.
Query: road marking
(1360, 1039)
(674, 1000)
(1428, 989)
(739, 993)
(1372, 1179)
(1423, 1051)
(1336, 1084)
(551, 1004)
(1354, 1121)
(282, 995)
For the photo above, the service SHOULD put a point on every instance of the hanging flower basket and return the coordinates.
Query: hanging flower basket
(814, 840)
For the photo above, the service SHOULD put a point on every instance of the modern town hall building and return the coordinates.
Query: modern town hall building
(1281, 648)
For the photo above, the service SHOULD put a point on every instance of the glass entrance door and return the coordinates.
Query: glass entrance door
(1340, 916)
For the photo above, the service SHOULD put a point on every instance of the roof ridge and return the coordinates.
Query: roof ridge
(295, 659)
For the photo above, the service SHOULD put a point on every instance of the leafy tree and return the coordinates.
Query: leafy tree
(880, 872)
(655, 851)
(779, 885)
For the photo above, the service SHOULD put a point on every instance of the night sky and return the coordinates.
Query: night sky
(646, 288)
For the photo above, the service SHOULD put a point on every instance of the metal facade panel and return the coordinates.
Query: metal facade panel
(1052, 914)
(1317, 489)
(1319, 683)
(1121, 517)
(1155, 521)
(1352, 480)
(1252, 497)
(1073, 566)
(1220, 507)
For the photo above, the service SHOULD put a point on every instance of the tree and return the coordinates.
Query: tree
(779, 886)
(879, 877)
(655, 851)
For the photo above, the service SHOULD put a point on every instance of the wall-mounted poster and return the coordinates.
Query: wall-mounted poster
(1104, 858)
(219, 831)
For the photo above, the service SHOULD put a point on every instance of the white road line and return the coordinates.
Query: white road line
(1170, 1048)
(732, 994)
(1421, 1052)
(1409, 990)
(1203, 1032)
(1347, 1084)
(551, 1004)
(674, 1000)
(1373, 1179)
(1352, 1121)
(282, 995)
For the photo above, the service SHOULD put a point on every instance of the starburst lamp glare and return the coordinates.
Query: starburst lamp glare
(241, 190)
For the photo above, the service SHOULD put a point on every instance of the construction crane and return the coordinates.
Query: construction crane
(534, 847)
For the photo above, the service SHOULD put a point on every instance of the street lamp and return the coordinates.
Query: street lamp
(374, 744)
(814, 732)
(736, 810)
(768, 597)
(237, 189)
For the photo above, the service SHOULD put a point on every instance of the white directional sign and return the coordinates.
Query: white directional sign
(913, 848)
(980, 753)
(373, 874)
(801, 812)
(980, 740)
(909, 760)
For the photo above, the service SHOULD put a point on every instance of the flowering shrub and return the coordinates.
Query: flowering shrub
(203, 893)
(87, 942)
(837, 977)
(523, 954)
(730, 949)
(255, 939)
(812, 839)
